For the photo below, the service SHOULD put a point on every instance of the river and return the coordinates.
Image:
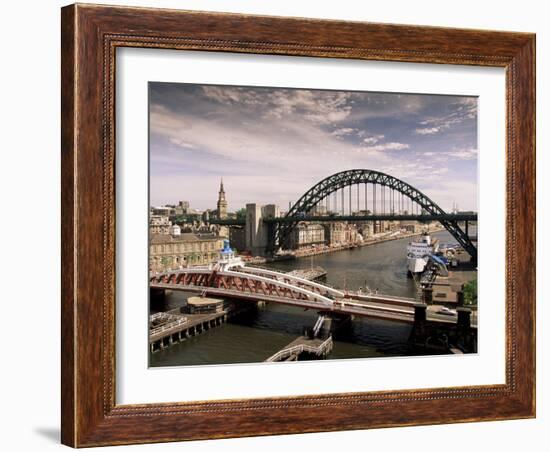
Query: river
(255, 336)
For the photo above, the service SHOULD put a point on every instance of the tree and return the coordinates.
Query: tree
(470, 293)
(241, 213)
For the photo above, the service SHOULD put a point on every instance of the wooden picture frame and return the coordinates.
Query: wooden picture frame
(90, 36)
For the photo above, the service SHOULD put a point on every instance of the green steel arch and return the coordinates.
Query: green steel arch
(343, 179)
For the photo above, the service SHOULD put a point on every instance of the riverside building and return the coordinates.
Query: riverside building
(177, 250)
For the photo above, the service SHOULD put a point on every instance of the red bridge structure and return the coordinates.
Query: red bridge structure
(260, 284)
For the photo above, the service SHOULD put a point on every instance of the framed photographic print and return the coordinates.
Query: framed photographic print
(278, 225)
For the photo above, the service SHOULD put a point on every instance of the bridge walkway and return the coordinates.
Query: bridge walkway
(303, 344)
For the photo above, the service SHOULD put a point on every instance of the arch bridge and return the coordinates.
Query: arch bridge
(377, 195)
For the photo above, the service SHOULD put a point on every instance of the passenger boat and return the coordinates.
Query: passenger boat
(419, 252)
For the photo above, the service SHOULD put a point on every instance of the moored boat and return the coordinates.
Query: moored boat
(419, 252)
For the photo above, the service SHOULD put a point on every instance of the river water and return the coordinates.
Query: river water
(256, 335)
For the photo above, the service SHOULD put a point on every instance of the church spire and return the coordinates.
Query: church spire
(222, 203)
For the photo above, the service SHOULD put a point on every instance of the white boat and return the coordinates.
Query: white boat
(418, 253)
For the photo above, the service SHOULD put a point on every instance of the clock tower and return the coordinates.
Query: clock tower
(222, 203)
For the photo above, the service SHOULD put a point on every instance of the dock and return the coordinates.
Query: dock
(445, 288)
(315, 348)
(167, 328)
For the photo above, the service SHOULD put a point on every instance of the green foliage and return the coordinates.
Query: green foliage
(241, 214)
(185, 218)
(178, 219)
(470, 293)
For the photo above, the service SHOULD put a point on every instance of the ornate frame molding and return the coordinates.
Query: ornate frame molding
(90, 37)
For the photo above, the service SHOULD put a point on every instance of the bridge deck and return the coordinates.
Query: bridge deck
(374, 217)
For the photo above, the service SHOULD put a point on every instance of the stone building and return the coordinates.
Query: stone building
(366, 229)
(340, 233)
(177, 250)
(412, 226)
(307, 234)
(183, 206)
(163, 210)
(159, 224)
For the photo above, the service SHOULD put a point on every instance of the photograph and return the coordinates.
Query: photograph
(292, 224)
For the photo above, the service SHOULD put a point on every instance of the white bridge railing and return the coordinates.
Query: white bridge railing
(297, 349)
(172, 321)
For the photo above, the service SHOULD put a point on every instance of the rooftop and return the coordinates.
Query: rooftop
(203, 301)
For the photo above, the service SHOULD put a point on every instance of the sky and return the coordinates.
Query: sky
(271, 145)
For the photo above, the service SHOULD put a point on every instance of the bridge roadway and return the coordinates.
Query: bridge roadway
(371, 217)
(259, 284)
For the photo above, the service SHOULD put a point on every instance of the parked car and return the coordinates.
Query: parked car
(445, 311)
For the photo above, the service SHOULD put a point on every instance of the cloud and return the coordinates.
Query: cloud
(232, 95)
(342, 131)
(271, 145)
(322, 107)
(373, 139)
(463, 154)
(279, 145)
(182, 143)
(460, 111)
(391, 146)
(427, 130)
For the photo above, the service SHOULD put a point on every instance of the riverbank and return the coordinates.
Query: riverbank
(327, 249)
(375, 241)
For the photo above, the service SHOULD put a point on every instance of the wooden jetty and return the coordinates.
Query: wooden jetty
(166, 328)
(315, 347)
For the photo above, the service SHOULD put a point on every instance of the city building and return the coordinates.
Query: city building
(412, 226)
(319, 210)
(184, 206)
(159, 224)
(307, 234)
(365, 229)
(178, 250)
(222, 203)
(163, 210)
(341, 233)
(255, 230)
